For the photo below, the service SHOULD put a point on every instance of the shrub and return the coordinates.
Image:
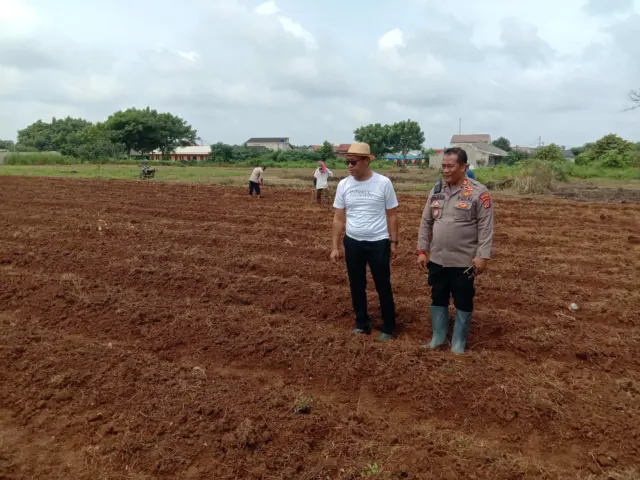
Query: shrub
(611, 151)
(549, 153)
(39, 158)
(535, 177)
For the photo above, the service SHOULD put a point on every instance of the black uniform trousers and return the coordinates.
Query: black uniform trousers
(449, 282)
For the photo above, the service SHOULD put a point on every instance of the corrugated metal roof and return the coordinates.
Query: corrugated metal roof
(471, 138)
(269, 140)
(488, 148)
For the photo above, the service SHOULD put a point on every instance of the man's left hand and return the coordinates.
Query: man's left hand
(481, 265)
(394, 250)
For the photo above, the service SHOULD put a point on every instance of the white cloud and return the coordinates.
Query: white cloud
(393, 56)
(17, 17)
(391, 40)
(298, 31)
(270, 8)
(518, 69)
(267, 8)
(191, 56)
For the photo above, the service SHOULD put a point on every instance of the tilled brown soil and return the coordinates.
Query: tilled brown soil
(154, 330)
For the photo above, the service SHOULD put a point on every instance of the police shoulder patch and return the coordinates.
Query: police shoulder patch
(485, 197)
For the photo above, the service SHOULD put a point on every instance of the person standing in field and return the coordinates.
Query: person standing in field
(321, 177)
(256, 180)
(454, 244)
(366, 203)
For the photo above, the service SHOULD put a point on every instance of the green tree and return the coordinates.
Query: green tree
(377, 136)
(94, 142)
(503, 144)
(7, 145)
(54, 136)
(136, 129)
(147, 130)
(222, 152)
(549, 153)
(611, 151)
(326, 153)
(515, 156)
(172, 132)
(405, 136)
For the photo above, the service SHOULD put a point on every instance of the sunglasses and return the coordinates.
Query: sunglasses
(353, 162)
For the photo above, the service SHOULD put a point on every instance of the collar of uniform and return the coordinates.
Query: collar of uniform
(455, 190)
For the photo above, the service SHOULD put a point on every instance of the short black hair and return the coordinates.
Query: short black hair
(458, 152)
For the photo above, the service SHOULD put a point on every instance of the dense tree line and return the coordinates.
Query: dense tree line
(140, 130)
(225, 153)
(611, 151)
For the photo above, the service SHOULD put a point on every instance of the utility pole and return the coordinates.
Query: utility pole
(539, 141)
(460, 125)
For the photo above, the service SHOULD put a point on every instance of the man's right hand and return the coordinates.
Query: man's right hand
(422, 262)
(335, 255)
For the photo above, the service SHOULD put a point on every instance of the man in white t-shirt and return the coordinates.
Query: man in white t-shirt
(366, 202)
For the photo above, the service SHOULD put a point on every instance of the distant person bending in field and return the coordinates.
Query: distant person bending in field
(256, 180)
(321, 181)
(366, 202)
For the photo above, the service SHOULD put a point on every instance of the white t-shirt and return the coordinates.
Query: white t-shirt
(366, 204)
(256, 175)
(322, 179)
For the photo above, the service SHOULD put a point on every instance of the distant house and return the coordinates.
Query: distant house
(340, 149)
(192, 153)
(471, 138)
(480, 151)
(569, 156)
(529, 150)
(273, 143)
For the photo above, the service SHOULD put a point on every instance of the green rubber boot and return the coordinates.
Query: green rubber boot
(440, 326)
(460, 332)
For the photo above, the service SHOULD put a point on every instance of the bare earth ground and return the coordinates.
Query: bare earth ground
(153, 330)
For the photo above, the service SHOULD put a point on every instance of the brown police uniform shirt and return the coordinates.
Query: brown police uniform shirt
(457, 224)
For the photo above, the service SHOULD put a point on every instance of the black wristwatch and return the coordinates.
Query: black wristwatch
(393, 241)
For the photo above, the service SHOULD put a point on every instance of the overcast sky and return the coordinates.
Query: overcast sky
(316, 70)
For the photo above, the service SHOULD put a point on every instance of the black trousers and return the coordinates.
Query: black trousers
(253, 186)
(449, 282)
(378, 256)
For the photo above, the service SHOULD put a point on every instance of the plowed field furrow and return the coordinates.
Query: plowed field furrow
(190, 416)
(112, 292)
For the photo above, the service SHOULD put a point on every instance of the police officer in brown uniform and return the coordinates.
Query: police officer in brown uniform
(454, 244)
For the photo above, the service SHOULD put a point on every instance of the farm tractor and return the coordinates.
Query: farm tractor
(146, 171)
